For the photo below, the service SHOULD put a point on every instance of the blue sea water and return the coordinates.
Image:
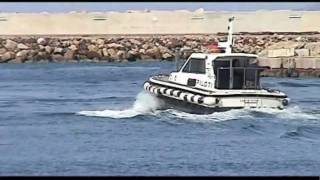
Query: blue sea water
(95, 119)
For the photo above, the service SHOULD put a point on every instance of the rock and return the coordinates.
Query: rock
(66, 43)
(93, 55)
(167, 56)
(75, 42)
(49, 49)
(58, 50)
(105, 52)
(136, 42)
(57, 58)
(73, 47)
(121, 55)
(142, 51)
(94, 48)
(70, 55)
(154, 53)
(132, 55)
(7, 56)
(2, 50)
(114, 45)
(22, 55)
(145, 46)
(127, 44)
(41, 41)
(112, 53)
(100, 42)
(22, 46)
(41, 47)
(164, 50)
(42, 55)
(10, 45)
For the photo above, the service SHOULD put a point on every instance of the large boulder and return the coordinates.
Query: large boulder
(66, 43)
(167, 56)
(112, 53)
(142, 51)
(3, 50)
(135, 42)
(100, 42)
(41, 41)
(57, 58)
(94, 48)
(132, 55)
(145, 46)
(93, 55)
(41, 47)
(105, 52)
(10, 45)
(22, 46)
(49, 49)
(42, 55)
(58, 50)
(73, 47)
(7, 56)
(154, 53)
(22, 55)
(114, 45)
(70, 55)
(75, 42)
(121, 55)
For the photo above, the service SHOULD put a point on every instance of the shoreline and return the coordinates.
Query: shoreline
(114, 48)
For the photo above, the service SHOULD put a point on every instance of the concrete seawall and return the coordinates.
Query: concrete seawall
(156, 22)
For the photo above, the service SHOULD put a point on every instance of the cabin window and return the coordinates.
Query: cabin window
(195, 65)
(237, 73)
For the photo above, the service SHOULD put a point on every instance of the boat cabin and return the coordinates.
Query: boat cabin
(219, 71)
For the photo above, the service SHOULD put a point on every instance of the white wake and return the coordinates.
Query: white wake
(291, 113)
(145, 104)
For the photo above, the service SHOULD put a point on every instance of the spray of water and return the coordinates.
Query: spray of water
(145, 104)
(291, 113)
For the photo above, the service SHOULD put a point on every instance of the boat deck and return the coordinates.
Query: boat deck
(161, 77)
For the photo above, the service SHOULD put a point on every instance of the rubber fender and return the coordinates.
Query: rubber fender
(209, 100)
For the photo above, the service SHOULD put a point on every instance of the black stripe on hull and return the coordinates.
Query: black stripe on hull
(184, 106)
(227, 95)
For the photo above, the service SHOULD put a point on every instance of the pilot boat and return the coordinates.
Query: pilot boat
(214, 82)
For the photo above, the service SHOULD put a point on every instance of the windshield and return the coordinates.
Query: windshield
(194, 65)
(237, 73)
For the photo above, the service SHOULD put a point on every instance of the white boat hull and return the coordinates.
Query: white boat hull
(201, 103)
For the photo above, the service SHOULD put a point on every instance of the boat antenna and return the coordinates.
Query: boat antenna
(228, 45)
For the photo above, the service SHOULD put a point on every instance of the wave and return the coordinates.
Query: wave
(293, 112)
(145, 104)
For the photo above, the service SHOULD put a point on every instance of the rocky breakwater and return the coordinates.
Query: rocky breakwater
(33, 50)
(125, 48)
